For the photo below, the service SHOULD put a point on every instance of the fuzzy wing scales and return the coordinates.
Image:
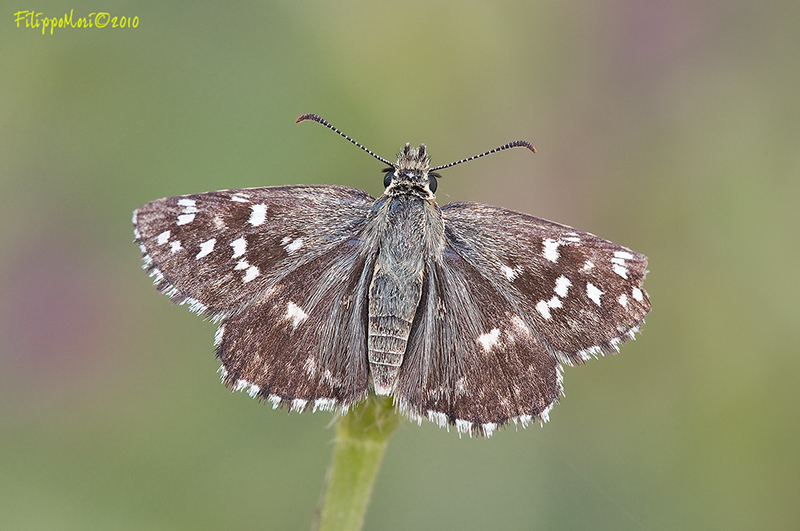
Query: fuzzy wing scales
(472, 362)
(286, 271)
(217, 251)
(581, 295)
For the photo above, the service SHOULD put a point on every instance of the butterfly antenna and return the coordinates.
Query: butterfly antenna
(323, 121)
(518, 143)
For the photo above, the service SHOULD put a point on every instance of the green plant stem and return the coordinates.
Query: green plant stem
(361, 439)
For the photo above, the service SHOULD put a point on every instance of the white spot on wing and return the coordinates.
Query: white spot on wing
(295, 245)
(163, 238)
(593, 292)
(520, 325)
(619, 263)
(324, 404)
(157, 275)
(637, 294)
(562, 285)
(489, 339)
(295, 314)
(310, 366)
(587, 266)
(194, 305)
(623, 300)
(218, 335)
(589, 353)
(550, 249)
(276, 401)
(251, 273)
(510, 273)
(437, 417)
(542, 308)
(555, 302)
(620, 270)
(464, 426)
(175, 246)
(239, 247)
(250, 388)
(206, 248)
(239, 198)
(544, 416)
(298, 404)
(258, 214)
(188, 212)
(183, 219)
(525, 420)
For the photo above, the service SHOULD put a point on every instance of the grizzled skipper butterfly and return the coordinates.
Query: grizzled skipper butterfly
(465, 314)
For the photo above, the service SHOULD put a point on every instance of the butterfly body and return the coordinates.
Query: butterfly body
(465, 314)
(410, 228)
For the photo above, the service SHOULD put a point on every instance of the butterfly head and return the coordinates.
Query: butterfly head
(411, 174)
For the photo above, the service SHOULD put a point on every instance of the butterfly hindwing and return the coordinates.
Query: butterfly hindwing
(303, 341)
(472, 361)
(581, 295)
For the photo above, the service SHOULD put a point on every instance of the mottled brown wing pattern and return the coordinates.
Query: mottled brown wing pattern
(217, 251)
(580, 295)
(472, 360)
(284, 270)
(303, 342)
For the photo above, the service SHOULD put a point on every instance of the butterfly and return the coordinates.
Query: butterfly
(465, 314)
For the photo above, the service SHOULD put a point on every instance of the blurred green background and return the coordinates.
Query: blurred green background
(671, 127)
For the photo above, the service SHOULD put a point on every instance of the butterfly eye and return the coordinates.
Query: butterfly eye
(387, 177)
(432, 184)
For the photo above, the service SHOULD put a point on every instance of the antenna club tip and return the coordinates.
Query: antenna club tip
(307, 116)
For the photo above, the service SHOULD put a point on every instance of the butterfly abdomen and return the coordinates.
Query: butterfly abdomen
(396, 287)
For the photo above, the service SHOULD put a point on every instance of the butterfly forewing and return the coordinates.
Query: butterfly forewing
(580, 295)
(217, 251)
